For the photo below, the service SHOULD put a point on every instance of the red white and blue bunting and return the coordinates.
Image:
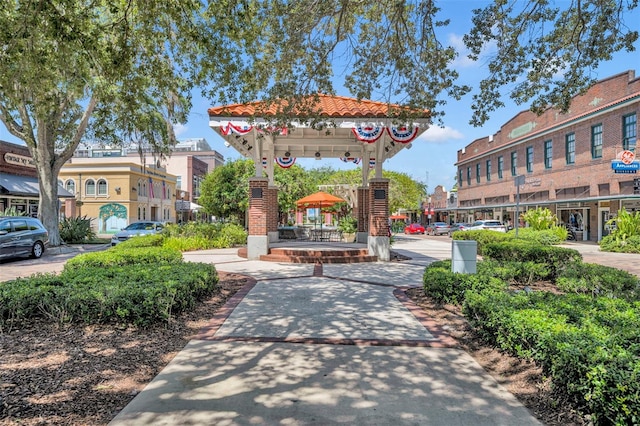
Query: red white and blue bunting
(372, 163)
(231, 128)
(368, 133)
(285, 162)
(264, 162)
(402, 134)
(351, 160)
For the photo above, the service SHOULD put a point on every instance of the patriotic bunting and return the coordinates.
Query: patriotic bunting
(372, 163)
(350, 160)
(402, 134)
(369, 133)
(285, 162)
(230, 128)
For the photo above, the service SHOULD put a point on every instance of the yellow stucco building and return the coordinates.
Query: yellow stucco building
(115, 192)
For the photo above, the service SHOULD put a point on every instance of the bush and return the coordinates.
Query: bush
(555, 258)
(74, 230)
(445, 286)
(137, 294)
(613, 244)
(539, 219)
(553, 235)
(120, 257)
(482, 237)
(199, 236)
(598, 280)
(140, 241)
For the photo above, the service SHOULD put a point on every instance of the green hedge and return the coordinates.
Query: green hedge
(445, 286)
(618, 245)
(121, 256)
(587, 345)
(599, 280)
(140, 294)
(482, 237)
(555, 259)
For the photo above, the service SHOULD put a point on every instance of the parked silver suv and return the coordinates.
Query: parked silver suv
(493, 225)
(22, 236)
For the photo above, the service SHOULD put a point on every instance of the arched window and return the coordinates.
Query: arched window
(139, 213)
(70, 186)
(102, 187)
(144, 189)
(139, 188)
(90, 187)
(144, 213)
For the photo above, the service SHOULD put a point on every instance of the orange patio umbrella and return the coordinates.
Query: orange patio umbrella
(398, 217)
(319, 199)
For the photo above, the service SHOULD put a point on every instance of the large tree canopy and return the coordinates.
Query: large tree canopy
(122, 70)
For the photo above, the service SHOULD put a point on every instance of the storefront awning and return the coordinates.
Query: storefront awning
(24, 186)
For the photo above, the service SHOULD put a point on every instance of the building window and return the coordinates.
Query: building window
(514, 163)
(529, 159)
(488, 166)
(139, 213)
(570, 148)
(90, 187)
(102, 187)
(70, 186)
(596, 141)
(500, 167)
(140, 189)
(179, 182)
(469, 176)
(548, 154)
(629, 132)
(460, 178)
(478, 173)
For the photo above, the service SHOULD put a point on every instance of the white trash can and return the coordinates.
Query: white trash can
(464, 256)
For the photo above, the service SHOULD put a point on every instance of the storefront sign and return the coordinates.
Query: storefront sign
(19, 160)
(620, 166)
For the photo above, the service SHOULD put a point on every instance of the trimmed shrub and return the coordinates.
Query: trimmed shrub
(120, 257)
(598, 280)
(139, 241)
(554, 258)
(445, 286)
(553, 235)
(482, 237)
(140, 294)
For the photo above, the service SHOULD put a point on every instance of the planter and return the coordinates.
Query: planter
(348, 237)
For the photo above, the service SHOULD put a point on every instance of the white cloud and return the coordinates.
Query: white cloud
(439, 134)
(180, 129)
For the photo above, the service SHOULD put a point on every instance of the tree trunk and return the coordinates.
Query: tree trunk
(49, 205)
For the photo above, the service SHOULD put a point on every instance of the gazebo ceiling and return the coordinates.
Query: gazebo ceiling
(344, 128)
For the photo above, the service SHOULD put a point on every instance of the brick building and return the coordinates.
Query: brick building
(580, 164)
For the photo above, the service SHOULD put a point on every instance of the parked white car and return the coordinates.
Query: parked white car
(493, 225)
(145, 227)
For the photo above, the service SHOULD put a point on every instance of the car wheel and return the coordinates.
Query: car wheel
(37, 250)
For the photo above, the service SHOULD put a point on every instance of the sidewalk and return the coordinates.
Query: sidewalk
(340, 347)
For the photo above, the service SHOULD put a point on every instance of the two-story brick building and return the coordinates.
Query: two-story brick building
(579, 164)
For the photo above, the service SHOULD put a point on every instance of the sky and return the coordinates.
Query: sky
(433, 155)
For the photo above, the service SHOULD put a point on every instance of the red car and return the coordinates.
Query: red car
(414, 228)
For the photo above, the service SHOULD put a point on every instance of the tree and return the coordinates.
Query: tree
(225, 191)
(294, 183)
(545, 54)
(109, 70)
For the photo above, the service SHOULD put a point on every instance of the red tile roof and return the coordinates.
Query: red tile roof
(327, 105)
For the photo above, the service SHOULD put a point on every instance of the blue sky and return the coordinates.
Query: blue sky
(433, 155)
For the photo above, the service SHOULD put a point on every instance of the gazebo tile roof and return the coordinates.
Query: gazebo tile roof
(328, 105)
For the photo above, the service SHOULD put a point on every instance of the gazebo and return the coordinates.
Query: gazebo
(326, 127)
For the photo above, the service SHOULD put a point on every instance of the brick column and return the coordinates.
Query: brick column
(378, 241)
(271, 202)
(258, 240)
(362, 214)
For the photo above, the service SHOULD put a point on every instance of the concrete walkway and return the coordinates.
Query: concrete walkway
(343, 347)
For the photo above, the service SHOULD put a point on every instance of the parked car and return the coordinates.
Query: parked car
(458, 227)
(493, 225)
(22, 236)
(414, 228)
(144, 227)
(437, 228)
